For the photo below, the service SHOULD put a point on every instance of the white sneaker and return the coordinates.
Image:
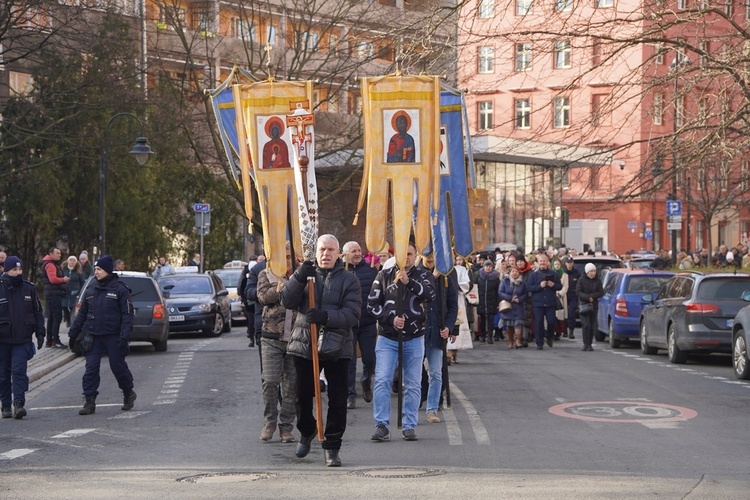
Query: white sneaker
(433, 418)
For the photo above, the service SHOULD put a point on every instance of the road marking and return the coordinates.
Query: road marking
(165, 402)
(129, 414)
(73, 433)
(480, 432)
(70, 407)
(10, 455)
(451, 425)
(620, 412)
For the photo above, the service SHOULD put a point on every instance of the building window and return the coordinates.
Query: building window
(679, 104)
(20, 83)
(562, 112)
(747, 9)
(595, 180)
(523, 56)
(681, 4)
(562, 54)
(602, 4)
(172, 16)
(523, 113)
(703, 45)
(201, 20)
(659, 53)
(271, 34)
(485, 115)
(600, 52)
(563, 5)
(728, 7)
(486, 59)
(244, 29)
(659, 109)
(523, 7)
(487, 9)
(744, 171)
(365, 50)
(599, 116)
(699, 234)
(703, 110)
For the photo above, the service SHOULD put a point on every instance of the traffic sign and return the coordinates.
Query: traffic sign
(648, 234)
(674, 207)
(674, 226)
(632, 225)
(201, 208)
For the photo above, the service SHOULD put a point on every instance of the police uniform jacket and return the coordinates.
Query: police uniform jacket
(20, 312)
(106, 309)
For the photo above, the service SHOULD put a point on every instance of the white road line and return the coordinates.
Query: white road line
(480, 432)
(70, 407)
(734, 382)
(452, 427)
(73, 433)
(661, 425)
(165, 402)
(10, 455)
(129, 414)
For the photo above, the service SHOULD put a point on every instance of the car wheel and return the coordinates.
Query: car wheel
(218, 326)
(228, 325)
(160, 345)
(674, 353)
(740, 363)
(614, 342)
(645, 348)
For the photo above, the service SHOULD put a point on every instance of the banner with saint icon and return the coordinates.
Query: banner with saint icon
(262, 109)
(401, 130)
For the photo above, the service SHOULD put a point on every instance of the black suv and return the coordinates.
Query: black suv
(693, 312)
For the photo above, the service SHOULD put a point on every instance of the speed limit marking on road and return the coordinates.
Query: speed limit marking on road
(623, 412)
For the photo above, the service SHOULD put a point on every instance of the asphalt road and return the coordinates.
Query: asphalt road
(557, 423)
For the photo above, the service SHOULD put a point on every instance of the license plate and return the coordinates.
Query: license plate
(730, 323)
(177, 318)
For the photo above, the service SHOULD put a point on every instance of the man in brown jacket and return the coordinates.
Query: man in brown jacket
(278, 367)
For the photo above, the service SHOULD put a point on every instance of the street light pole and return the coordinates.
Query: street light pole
(141, 151)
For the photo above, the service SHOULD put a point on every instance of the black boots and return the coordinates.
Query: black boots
(303, 447)
(128, 399)
(332, 458)
(7, 412)
(89, 406)
(18, 410)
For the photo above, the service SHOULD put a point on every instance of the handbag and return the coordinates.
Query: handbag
(331, 343)
(505, 306)
(585, 307)
(559, 303)
(473, 295)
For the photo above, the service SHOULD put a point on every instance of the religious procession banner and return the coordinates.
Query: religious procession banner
(262, 110)
(453, 228)
(401, 136)
(222, 102)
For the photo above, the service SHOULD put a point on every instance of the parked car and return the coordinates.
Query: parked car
(620, 307)
(641, 261)
(740, 341)
(196, 302)
(150, 323)
(231, 277)
(603, 264)
(693, 313)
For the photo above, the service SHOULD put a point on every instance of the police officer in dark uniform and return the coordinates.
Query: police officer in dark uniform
(103, 325)
(19, 302)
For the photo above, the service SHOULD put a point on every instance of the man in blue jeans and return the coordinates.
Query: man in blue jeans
(406, 317)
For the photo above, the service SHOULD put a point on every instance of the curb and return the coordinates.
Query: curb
(40, 372)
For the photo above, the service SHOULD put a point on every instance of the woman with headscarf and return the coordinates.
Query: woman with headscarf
(72, 270)
(589, 289)
(488, 281)
(561, 314)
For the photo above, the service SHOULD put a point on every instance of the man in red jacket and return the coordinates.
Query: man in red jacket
(54, 290)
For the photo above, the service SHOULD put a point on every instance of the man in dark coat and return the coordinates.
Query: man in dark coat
(338, 304)
(16, 334)
(573, 276)
(542, 285)
(488, 282)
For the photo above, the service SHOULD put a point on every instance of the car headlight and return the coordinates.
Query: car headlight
(201, 307)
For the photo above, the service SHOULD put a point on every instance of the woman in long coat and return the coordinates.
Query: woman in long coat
(562, 294)
(513, 289)
(463, 339)
(488, 281)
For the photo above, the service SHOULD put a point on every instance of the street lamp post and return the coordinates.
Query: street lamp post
(141, 151)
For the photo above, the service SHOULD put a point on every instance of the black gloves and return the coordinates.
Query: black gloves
(39, 342)
(74, 345)
(317, 316)
(124, 347)
(304, 271)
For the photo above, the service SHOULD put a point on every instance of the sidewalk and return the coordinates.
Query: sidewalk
(49, 359)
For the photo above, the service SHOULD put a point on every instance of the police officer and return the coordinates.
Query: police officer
(106, 320)
(18, 301)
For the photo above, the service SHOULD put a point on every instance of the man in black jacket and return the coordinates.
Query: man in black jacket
(365, 333)
(16, 334)
(573, 276)
(542, 284)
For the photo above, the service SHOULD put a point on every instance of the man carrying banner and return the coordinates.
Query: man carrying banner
(338, 302)
(396, 302)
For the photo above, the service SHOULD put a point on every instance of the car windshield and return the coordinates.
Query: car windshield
(230, 277)
(724, 288)
(641, 263)
(141, 288)
(186, 286)
(646, 284)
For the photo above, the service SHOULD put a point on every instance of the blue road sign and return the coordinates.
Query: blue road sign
(201, 208)
(647, 234)
(674, 207)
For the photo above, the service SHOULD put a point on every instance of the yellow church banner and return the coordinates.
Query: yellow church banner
(262, 110)
(401, 116)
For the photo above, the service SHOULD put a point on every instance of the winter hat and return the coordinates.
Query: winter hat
(590, 267)
(730, 257)
(12, 262)
(105, 262)
(84, 255)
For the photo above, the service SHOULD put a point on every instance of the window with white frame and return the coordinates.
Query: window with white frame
(20, 83)
(744, 172)
(562, 54)
(679, 104)
(705, 4)
(600, 117)
(365, 50)
(747, 9)
(703, 110)
(659, 53)
(172, 16)
(728, 7)
(602, 4)
(681, 4)
(703, 45)
(485, 115)
(563, 5)
(487, 9)
(523, 7)
(486, 59)
(562, 112)
(658, 109)
(244, 29)
(310, 40)
(523, 56)
(523, 113)
(271, 34)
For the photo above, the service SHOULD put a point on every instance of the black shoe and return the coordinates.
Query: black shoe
(590, 348)
(549, 341)
(7, 412)
(557, 336)
(89, 406)
(489, 339)
(585, 348)
(303, 447)
(332, 458)
(252, 342)
(128, 399)
(539, 347)
(565, 335)
(572, 336)
(409, 435)
(381, 433)
(18, 410)
(351, 402)
(367, 391)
